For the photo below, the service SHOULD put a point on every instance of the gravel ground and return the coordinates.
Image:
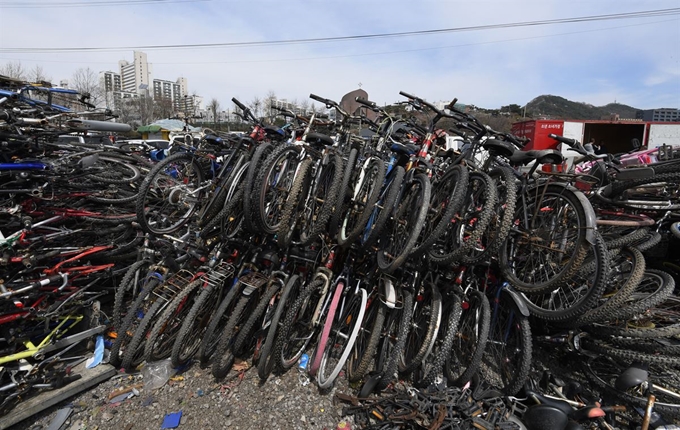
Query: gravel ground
(283, 402)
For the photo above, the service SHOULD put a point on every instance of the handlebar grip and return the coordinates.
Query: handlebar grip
(407, 95)
(365, 102)
(568, 141)
(451, 105)
(238, 103)
(319, 99)
(92, 125)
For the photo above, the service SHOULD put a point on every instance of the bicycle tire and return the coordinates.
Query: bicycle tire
(365, 195)
(446, 198)
(229, 209)
(507, 368)
(267, 359)
(292, 206)
(501, 218)
(297, 319)
(166, 328)
(352, 317)
(432, 371)
(224, 357)
(259, 156)
(561, 218)
(121, 172)
(383, 208)
(630, 356)
(189, 338)
(406, 224)
(344, 193)
(364, 349)
(470, 223)
(157, 214)
(217, 322)
(628, 272)
(313, 222)
(580, 293)
(390, 372)
(245, 334)
(425, 321)
(125, 285)
(270, 191)
(133, 355)
(470, 340)
(123, 336)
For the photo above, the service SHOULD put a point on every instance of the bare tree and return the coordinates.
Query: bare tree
(86, 81)
(13, 69)
(214, 107)
(163, 107)
(37, 74)
(144, 106)
(304, 106)
(256, 106)
(269, 101)
(125, 110)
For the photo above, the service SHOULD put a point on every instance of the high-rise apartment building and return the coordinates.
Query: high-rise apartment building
(135, 76)
(661, 115)
(172, 91)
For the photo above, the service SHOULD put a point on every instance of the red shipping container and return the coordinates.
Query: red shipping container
(538, 131)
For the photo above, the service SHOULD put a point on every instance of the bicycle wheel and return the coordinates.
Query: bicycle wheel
(320, 200)
(661, 321)
(383, 209)
(344, 332)
(329, 316)
(227, 222)
(129, 324)
(366, 344)
(298, 330)
(267, 358)
(257, 319)
(394, 340)
(164, 332)
(344, 192)
(133, 354)
(169, 195)
(660, 192)
(114, 171)
(627, 270)
(425, 321)
(249, 203)
(446, 199)
(271, 188)
(507, 359)
(447, 336)
(501, 217)
(404, 227)
(461, 236)
(294, 205)
(190, 334)
(363, 199)
(224, 355)
(580, 293)
(548, 243)
(470, 340)
(217, 322)
(132, 283)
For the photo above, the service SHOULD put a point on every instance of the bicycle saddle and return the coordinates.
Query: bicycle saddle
(498, 147)
(631, 377)
(319, 139)
(544, 156)
(406, 149)
(543, 417)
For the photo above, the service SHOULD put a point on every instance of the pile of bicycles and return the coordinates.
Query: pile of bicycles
(385, 256)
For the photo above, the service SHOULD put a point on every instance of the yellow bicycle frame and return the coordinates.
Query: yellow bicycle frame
(32, 349)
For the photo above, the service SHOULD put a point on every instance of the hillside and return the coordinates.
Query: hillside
(555, 107)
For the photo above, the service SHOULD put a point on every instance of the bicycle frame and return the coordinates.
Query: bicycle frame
(32, 349)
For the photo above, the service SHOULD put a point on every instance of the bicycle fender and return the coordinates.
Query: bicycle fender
(591, 219)
(519, 302)
(390, 293)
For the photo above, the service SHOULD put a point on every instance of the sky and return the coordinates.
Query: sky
(634, 61)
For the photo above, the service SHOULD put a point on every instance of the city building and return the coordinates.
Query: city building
(659, 115)
(135, 76)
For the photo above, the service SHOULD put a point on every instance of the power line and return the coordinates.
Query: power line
(62, 4)
(592, 18)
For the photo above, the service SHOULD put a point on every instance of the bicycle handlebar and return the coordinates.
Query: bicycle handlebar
(92, 125)
(238, 103)
(327, 102)
(365, 102)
